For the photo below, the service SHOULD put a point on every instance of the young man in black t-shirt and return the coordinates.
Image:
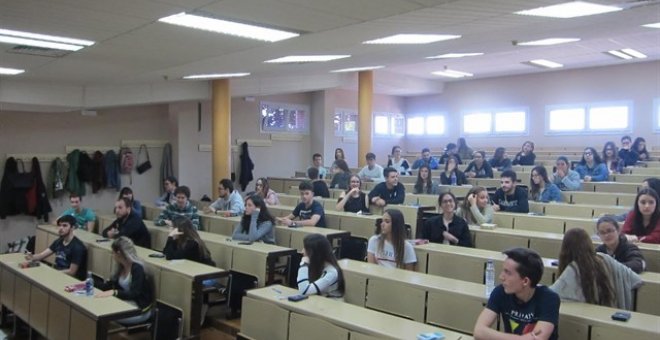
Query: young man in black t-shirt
(309, 212)
(70, 252)
(510, 197)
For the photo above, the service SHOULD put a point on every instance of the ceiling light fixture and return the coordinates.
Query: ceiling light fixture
(655, 25)
(412, 39)
(216, 76)
(627, 53)
(454, 55)
(307, 58)
(452, 73)
(570, 10)
(10, 71)
(357, 69)
(546, 42)
(545, 63)
(42, 40)
(228, 27)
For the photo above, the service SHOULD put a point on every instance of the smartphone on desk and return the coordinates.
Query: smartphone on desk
(157, 255)
(621, 316)
(102, 240)
(296, 298)
(245, 243)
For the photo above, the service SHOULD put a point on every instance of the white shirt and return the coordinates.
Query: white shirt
(386, 257)
(375, 174)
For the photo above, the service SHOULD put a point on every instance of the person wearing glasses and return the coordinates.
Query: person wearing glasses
(591, 167)
(616, 244)
(627, 155)
(448, 227)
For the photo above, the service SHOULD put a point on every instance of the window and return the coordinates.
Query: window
(382, 125)
(589, 118)
(345, 122)
(510, 121)
(435, 125)
(477, 122)
(416, 126)
(285, 118)
(566, 119)
(496, 122)
(398, 124)
(608, 118)
(426, 125)
(389, 124)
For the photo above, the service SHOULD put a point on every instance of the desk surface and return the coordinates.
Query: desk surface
(471, 252)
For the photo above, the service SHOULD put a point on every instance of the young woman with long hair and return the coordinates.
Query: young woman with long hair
(591, 167)
(616, 244)
(643, 225)
(447, 227)
(526, 155)
(353, 199)
(399, 163)
(479, 167)
(451, 169)
(341, 175)
(257, 224)
(541, 189)
(425, 183)
(389, 248)
(500, 161)
(476, 208)
(184, 242)
(464, 151)
(610, 157)
(639, 146)
(262, 189)
(319, 273)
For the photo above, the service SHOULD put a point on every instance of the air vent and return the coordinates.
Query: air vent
(38, 51)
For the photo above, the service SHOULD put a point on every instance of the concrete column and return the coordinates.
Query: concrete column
(365, 103)
(221, 132)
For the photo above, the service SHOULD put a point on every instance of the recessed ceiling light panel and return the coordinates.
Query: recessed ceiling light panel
(548, 41)
(454, 55)
(216, 75)
(452, 73)
(306, 58)
(10, 71)
(545, 63)
(655, 25)
(412, 39)
(357, 69)
(570, 10)
(42, 40)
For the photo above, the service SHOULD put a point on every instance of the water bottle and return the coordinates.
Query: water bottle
(490, 277)
(453, 178)
(89, 285)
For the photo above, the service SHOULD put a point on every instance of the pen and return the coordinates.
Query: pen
(277, 291)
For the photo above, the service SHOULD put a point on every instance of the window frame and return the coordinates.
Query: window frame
(493, 121)
(342, 122)
(423, 132)
(587, 116)
(289, 107)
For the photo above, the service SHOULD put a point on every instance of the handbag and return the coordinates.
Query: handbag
(143, 167)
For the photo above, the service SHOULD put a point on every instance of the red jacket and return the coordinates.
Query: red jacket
(650, 235)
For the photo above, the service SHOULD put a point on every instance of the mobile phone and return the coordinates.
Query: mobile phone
(245, 243)
(102, 240)
(554, 263)
(296, 298)
(157, 255)
(621, 316)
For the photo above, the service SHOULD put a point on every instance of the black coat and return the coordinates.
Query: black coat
(16, 187)
(43, 207)
(246, 167)
(434, 227)
(132, 227)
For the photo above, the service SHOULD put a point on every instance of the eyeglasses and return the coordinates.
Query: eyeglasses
(447, 201)
(606, 232)
(588, 153)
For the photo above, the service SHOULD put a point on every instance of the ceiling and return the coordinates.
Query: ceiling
(134, 48)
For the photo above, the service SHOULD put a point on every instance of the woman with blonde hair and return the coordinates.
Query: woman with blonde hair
(476, 208)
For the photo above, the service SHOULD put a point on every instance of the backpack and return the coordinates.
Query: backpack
(126, 160)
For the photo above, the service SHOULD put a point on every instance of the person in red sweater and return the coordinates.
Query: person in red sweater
(643, 224)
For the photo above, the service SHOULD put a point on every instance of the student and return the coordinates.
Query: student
(70, 252)
(339, 155)
(353, 199)
(591, 167)
(317, 160)
(526, 156)
(651, 182)
(263, 189)
(542, 190)
(425, 184)
(319, 185)
(85, 217)
(627, 154)
(611, 159)
(229, 202)
(309, 212)
(464, 151)
(319, 273)
(500, 160)
(257, 223)
(128, 224)
(341, 175)
(182, 207)
(639, 146)
(136, 206)
(564, 177)
(479, 168)
(390, 248)
(169, 184)
(388, 192)
(426, 159)
(526, 309)
(130, 281)
(450, 151)
(451, 170)
(183, 242)
(643, 225)
(399, 163)
(616, 245)
(448, 227)
(476, 208)
(509, 197)
(371, 172)
(595, 278)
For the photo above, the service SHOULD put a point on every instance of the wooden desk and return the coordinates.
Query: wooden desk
(36, 295)
(293, 237)
(358, 225)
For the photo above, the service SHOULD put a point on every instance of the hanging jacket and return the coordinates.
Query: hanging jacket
(246, 167)
(73, 184)
(166, 169)
(111, 167)
(7, 200)
(42, 207)
(98, 172)
(56, 178)
(85, 167)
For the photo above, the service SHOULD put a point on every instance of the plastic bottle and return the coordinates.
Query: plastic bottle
(89, 285)
(453, 178)
(490, 277)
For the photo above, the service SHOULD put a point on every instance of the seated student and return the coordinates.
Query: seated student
(611, 159)
(263, 189)
(130, 281)
(388, 192)
(390, 248)
(169, 184)
(526, 156)
(371, 172)
(229, 202)
(639, 146)
(525, 308)
(479, 168)
(70, 252)
(128, 224)
(617, 245)
(451, 175)
(399, 163)
(448, 227)
(591, 167)
(182, 207)
(319, 185)
(353, 199)
(425, 183)
(587, 276)
(183, 242)
(541, 189)
(564, 177)
(317, 159)
(309, 212)
(651, 182)
(85, 217)
(426, 159)
(339, 154)
(319, 273)
(509, 197)
(643, 225)
(627, 154)
(136, 206)
(450, 151)
(500, 160)
(464, 151)
(341, 175)
(257, 223)
(476, 208)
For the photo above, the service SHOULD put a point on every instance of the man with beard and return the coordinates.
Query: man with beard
(509, 197)
(128, 224)
(70, 252)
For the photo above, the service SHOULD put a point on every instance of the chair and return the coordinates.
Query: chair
(168, 322)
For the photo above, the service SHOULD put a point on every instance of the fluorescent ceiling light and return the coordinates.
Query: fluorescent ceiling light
(570, 10)
(42, 40)
(306, 58)
(216, 75)
(412, 39)
(357, 69)
(545, 63)
(454, 55)
(619, 54)
(656, 25)
(627, 53)
(10, 71)
(452, 73)
(549, 41)
(228, 27)
(38, 43)
(46, 37)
